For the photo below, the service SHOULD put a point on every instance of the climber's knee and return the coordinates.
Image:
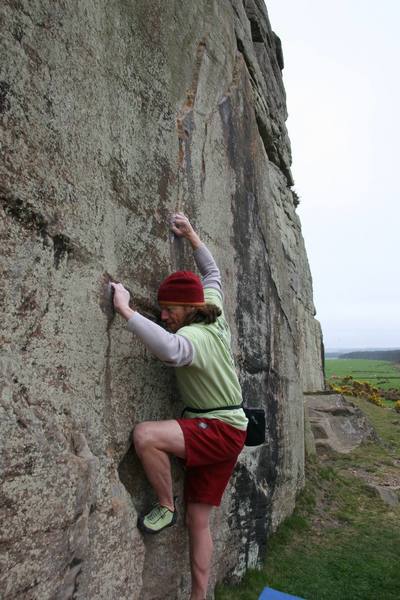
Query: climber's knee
(142, 436)
(165, 436)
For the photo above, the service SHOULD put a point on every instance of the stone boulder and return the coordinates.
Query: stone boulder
(337, 424)
(389, 495)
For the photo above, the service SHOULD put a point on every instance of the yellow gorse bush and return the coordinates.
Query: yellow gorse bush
(352, 387)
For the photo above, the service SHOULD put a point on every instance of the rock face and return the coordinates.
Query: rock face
(113, 115)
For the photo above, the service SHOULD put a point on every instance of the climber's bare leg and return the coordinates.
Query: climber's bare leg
(201, 547)
(154, 441)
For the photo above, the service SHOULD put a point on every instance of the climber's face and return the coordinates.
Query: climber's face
(174, 316)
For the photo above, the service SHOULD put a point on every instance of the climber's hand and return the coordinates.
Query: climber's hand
(121, 300)
(181, 227)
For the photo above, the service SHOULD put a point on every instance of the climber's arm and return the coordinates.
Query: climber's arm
(211, 276)
(172, 349)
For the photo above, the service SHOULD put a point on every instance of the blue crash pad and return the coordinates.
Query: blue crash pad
(270, 594)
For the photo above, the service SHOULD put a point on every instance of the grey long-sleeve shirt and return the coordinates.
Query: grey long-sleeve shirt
(172, 349)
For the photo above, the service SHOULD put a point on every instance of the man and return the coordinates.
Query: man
(212, 433)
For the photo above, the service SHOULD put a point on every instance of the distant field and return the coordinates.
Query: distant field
(382, 374)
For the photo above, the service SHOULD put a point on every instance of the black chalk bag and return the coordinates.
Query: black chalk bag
(255, 427)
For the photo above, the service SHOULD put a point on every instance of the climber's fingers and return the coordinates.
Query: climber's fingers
(121, 295)
(180, 225)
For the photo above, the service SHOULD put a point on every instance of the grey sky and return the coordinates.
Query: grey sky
(343, 93)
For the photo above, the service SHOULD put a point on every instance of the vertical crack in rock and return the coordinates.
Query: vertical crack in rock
(185, 127)
(108, 412)
(107, 307)
(203, 159)
(108, 377)
(185, 122)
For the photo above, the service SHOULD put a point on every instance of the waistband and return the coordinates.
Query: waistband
(200, 411)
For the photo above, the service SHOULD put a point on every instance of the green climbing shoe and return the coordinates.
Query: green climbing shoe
(159, 518)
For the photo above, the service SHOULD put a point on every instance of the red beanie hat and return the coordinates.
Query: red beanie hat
(182, 287)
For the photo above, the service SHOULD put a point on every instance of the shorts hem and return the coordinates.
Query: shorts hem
(210, 501)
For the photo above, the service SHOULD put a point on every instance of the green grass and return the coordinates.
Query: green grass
(343, 542)
(380, 373)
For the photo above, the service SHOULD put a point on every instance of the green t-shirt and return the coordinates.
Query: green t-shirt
(210, 380)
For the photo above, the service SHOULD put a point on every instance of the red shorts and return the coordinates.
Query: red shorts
(212, 448)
